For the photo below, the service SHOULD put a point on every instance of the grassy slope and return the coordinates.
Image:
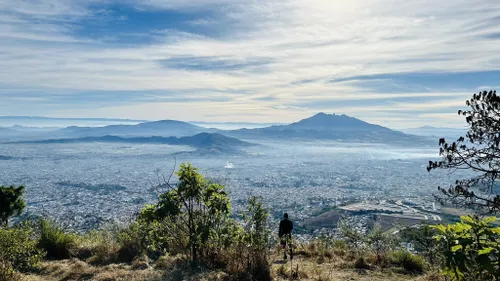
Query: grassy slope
(311, 268)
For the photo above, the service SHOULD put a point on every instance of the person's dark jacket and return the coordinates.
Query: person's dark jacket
(286, 227)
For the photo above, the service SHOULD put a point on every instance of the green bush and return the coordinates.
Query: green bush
(18, 248)
(57, 243)
(409, 262)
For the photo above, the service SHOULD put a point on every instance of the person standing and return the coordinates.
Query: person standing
(285, 235)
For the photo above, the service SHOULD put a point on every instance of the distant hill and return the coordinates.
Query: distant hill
(4, 158)
(324, 126)
(7, 133)
(233, 125)
(204, 142)
(20, 128)
(6, 130)
(436, 133)
(165, 128)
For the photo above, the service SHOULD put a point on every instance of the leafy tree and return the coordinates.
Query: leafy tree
(11, 203)
(479, 151)
(194, 208)
(471, 249)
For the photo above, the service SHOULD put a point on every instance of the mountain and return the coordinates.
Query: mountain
(203, 142)
(324, 126)
(436, 133)
(165, 128)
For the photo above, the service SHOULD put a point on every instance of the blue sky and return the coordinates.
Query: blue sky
(395, 63)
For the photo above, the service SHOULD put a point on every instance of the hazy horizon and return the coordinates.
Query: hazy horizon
(54, 122)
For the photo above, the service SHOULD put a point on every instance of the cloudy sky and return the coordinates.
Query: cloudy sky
(392, 62)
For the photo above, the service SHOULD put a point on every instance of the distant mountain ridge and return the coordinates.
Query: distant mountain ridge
(203, 141)
(321, 126)
(436, 132)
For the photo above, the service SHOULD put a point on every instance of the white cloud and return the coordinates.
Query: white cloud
(303, 40)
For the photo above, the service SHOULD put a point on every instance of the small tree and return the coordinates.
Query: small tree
(353, 237)
(380, 242)
(479, 151)
(194, 207)
(422, 236)
(11, 203)
(471, 249)
(256, 237)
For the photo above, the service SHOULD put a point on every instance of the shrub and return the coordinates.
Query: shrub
(57, 243)
(246, 256)
(409, 262)
(18, 248)
(360, 263)
(140, 263)
(7, 273)
(339, 245)
(131, 241)
(471, 248)
(102, 245)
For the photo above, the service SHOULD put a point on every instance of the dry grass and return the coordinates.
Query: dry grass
(332, 268)
(69, 270)
(139, 270)
(336, 268)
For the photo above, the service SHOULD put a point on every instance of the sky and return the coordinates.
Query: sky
(396, 63)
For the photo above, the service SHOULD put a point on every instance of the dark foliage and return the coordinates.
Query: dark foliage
(478, 151)
(11, 203)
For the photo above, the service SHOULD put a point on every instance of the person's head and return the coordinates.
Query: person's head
(285, 215)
